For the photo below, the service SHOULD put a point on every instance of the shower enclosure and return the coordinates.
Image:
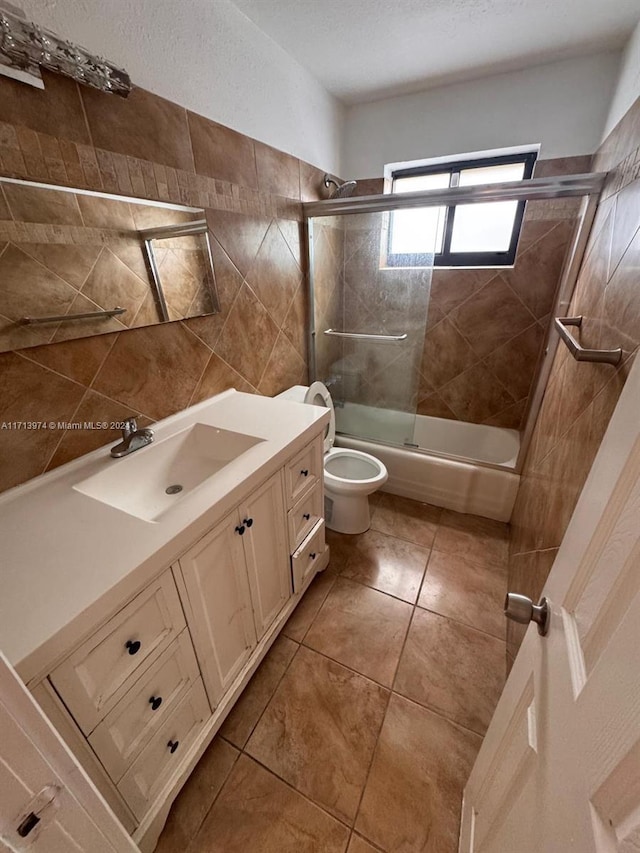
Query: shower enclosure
(442, 367)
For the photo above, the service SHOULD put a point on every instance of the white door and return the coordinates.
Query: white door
(47, 802)
(266, 551)
(213, 577)
(559, 769)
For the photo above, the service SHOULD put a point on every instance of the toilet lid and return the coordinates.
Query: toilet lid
(318, 395)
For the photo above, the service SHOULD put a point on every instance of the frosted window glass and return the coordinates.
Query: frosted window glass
(483, 227)
(419, 230)
(492, 174)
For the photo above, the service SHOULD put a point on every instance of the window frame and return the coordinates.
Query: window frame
(447, 258)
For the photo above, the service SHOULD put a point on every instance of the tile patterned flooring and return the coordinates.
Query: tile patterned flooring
(358, 731)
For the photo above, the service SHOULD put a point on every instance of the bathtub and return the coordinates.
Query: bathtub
(439, 464)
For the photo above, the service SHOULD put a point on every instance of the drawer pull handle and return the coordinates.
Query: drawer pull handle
(240, 529)
(28, 824)
(305, 472)
(307, 516)
(313, 556)
(173, 745)
(155, 702)
(133, 646)
(248, 521)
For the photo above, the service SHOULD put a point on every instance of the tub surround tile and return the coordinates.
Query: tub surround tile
(319, 730)
(362, 629)
(580, 398)
(387, 564)
(197, 796)
(407, 519)
(475, 395)
(258, 811)
(413, 796)
(515, 363)
(248, 709)
(452, 669)
(466, 592)
(357, 844)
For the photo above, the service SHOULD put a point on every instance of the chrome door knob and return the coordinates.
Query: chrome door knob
(520, 608)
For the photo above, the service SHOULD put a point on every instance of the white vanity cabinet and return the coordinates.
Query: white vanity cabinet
(146, 691)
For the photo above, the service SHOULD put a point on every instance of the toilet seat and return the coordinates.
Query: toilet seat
(347, 470)
(318, 395)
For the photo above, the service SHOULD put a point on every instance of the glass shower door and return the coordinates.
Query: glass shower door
(369, 322)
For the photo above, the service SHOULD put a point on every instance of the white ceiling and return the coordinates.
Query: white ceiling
(361, 50)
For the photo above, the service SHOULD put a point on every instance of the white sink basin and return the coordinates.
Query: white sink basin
(152, 481)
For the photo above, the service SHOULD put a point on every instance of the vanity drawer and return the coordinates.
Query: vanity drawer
(97, 675)
(149, 773)
(304, 516)
(123, 733)
(304, 560)
(303, 472)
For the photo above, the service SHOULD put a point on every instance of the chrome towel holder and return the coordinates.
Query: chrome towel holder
(599, 356)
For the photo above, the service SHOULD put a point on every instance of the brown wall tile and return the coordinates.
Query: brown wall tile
(580, 397)
(278, 173)
(58, 106)
(142, 125)
(222, 153)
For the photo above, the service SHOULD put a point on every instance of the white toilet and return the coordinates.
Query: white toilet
(350, 476)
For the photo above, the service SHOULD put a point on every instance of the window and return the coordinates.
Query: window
(467, 235)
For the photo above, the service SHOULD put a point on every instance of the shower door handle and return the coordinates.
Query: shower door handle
(363, 337)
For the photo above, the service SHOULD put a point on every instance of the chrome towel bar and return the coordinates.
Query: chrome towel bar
(62, 318)
(600, 356)
(362, 337)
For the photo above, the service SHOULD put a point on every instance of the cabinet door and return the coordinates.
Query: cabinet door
(219, 606)
(265, 547)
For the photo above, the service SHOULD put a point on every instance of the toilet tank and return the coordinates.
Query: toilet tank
(295, 393)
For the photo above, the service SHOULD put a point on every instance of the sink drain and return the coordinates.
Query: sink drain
(173, 490)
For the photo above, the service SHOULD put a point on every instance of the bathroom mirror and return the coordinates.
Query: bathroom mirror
(75, 263)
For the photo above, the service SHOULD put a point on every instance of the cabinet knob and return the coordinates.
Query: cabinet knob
(313, 556)
(248, 521)
(173, 745)
(305, 472)
(307, 516)
(240, 529)
(133, 646)
(155, 702)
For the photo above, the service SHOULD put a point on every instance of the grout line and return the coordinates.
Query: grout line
(65, 431)
(86, 118)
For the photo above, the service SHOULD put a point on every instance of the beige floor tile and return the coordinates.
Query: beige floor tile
(453, 669)
(255, 697)
(257, 813)
(359, 845)
(479, 540)
(361, 628)
(341, 545)
(465, 591)
(407, 519)
(319, 731)
(300, 620)
(413, 796)
(388, 564)
(196, 798)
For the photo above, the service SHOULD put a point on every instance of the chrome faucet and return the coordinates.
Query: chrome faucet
(132, 439)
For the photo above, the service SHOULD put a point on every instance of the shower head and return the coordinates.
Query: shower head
(341, 190)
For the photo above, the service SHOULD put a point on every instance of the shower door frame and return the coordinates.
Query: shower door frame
(587, 186)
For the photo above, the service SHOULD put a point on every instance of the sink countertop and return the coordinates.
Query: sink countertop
(68, 561)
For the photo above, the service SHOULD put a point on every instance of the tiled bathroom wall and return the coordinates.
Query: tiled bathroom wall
(486, 327)
(581, 397)
(149, 147)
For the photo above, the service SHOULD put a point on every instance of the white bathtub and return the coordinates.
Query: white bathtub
(423, 474)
